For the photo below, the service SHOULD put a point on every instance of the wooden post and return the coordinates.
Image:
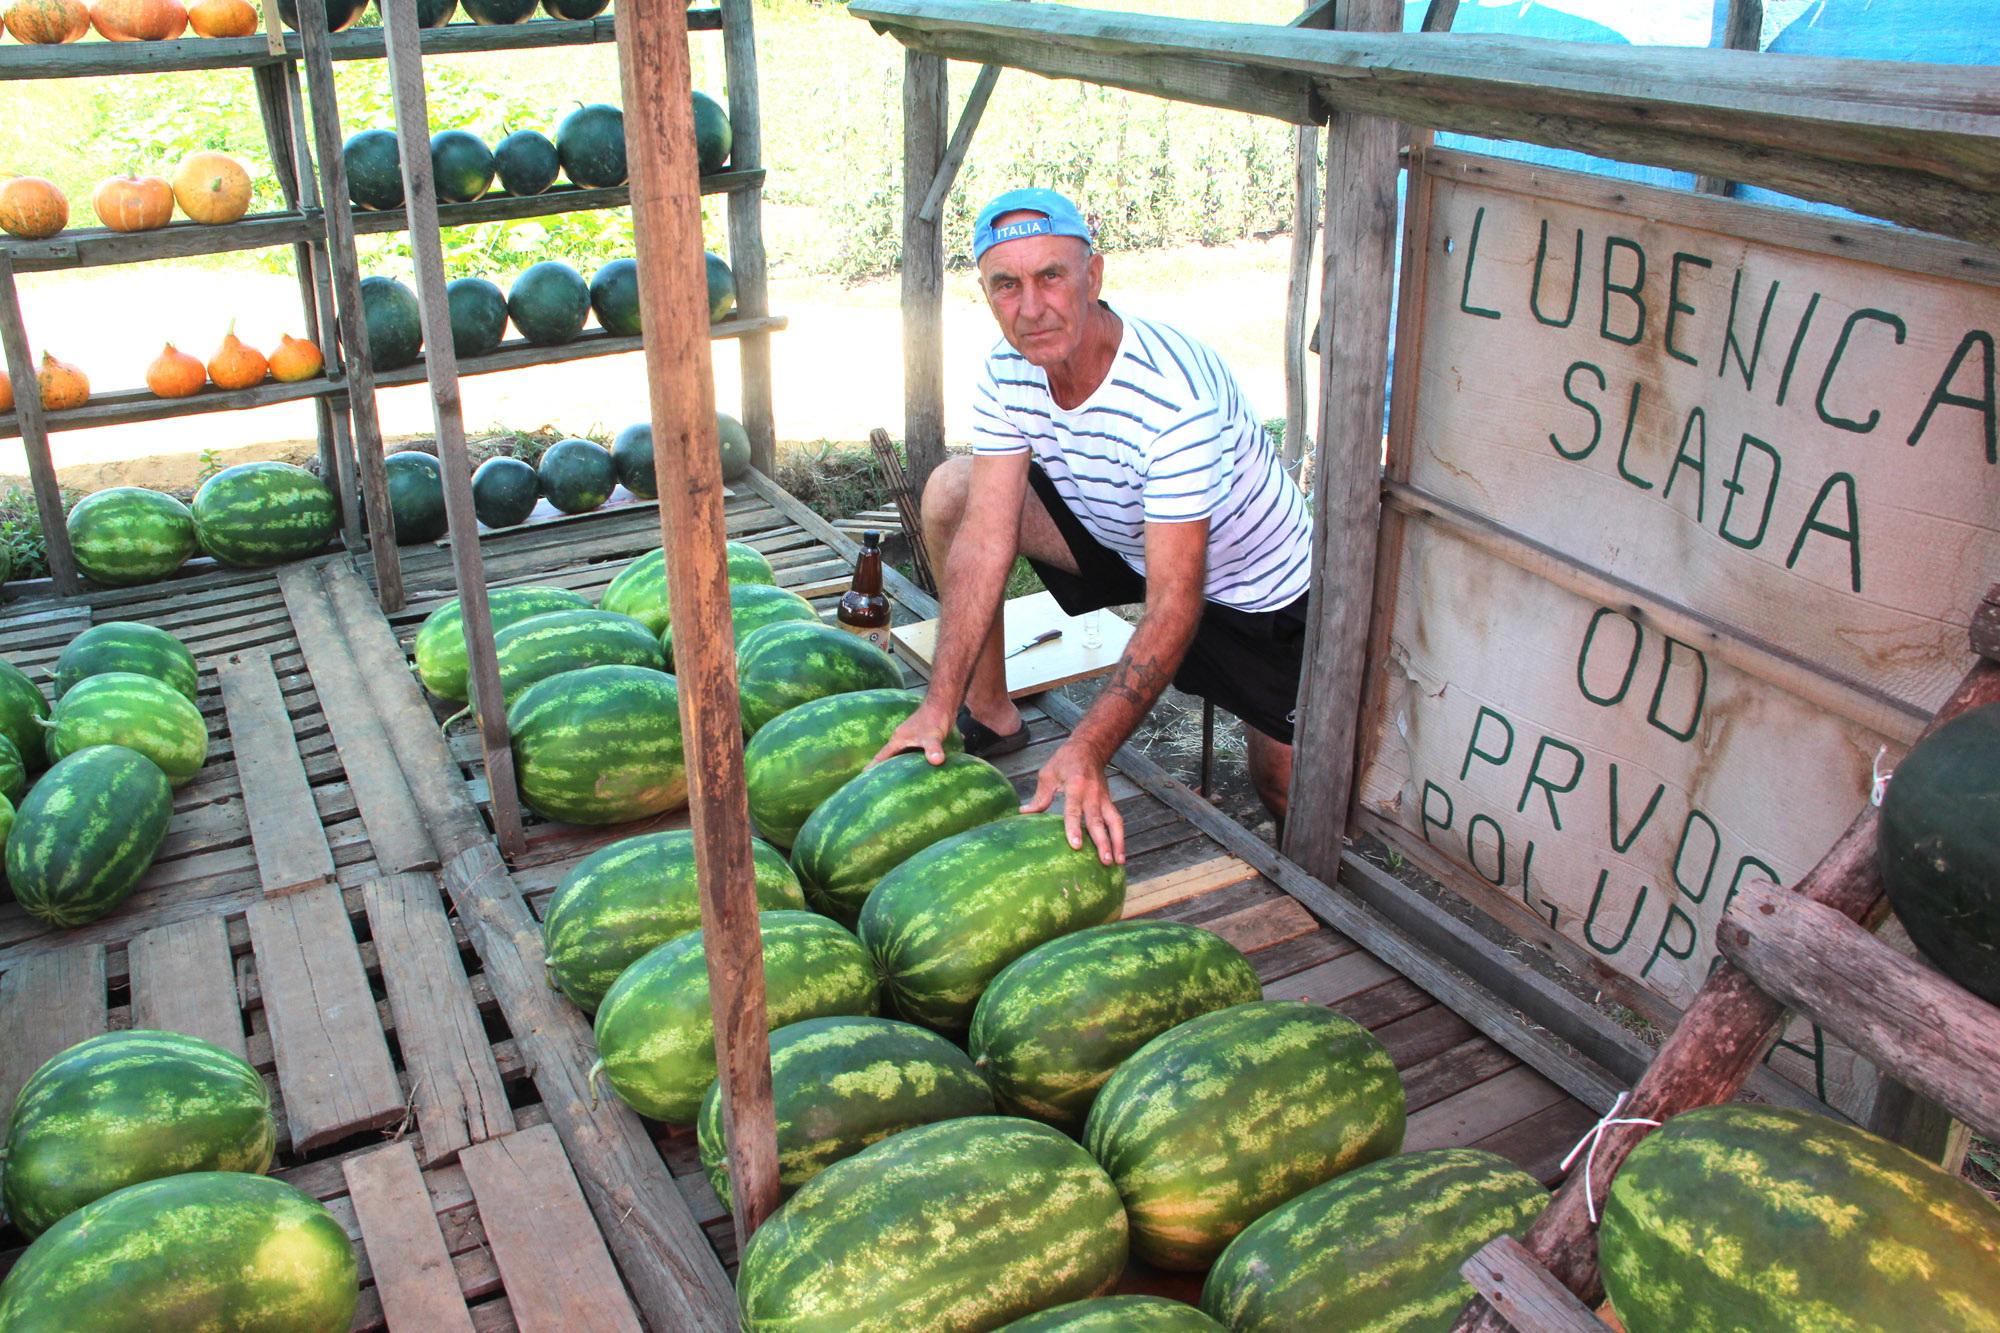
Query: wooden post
(961, 141)
(666, 217)
(1354, 354)
(746, 231)
(1742, 30)
(34, 430)
(926, 112)
(406, 80)
(313, 42)
(1305, 229)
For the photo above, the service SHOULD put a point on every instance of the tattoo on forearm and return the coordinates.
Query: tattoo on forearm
(1137, 682)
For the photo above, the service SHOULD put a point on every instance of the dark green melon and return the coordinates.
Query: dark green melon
(478, 315)
(462, 165)
(22, 711)
(614, 295)
(574, 10)
(416, 496)
(1940, 848)
(127, 645)
(591, 143)
(395, 324)
(86, 834)
(711, 133)
(374, 169)
(526, 162)
(548, 302)
(340, 14)
(435, 13)
(632, 455)
(577, 475)
(735, 444)
(504, 492)
(494, 12)
(721, 286)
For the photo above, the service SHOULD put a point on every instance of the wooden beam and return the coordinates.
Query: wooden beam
(961, 141)
(666, 218)
(1741, 29)
(746, 230)
(413, 1273)
(1298, 287)
(1523, 1292)
(926, 110)
(285, 832)
(33, 424)
(1355, 295)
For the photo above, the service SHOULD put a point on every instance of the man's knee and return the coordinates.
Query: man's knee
(943, 505)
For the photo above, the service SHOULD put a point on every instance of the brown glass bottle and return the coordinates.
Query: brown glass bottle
(863, 609)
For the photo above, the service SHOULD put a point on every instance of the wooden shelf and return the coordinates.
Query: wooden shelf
(560, 199)
(121, 406)
(94, 59)
(516, 353)
(94, 247)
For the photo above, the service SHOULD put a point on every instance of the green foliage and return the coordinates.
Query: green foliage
(211, 463)
(21, 532)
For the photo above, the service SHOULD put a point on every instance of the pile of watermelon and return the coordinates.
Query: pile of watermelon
(249, 516)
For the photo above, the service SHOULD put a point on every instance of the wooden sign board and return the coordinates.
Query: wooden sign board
(1691, 503)
(1068, 657)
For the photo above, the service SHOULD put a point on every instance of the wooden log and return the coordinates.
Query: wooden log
(278, 804)
(983, 84)
(414, 1277)
(653, 64)
(32, 425)
(1298, 289)
(49, 1001)
(926, 111)
(1355, 294)
(746, 229)
(1522, 1291)
(1723, 1035)
(117, 407)
(93, 247)
(183, 979)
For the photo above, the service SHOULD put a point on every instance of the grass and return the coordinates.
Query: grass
(27, 552)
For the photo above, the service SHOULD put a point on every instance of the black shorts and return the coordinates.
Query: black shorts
(1245, 662)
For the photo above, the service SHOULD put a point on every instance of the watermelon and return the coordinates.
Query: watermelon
(7, 804)
(504, 492)
(86, 833)
(1054, 1024)
(1377, 1248)
(576, 475)
(721, 286)
(629, 897)
(574, 10)
(711, 133)
(128, 534)
(632, 458)
(527, 162)
(945, 922)
(135, 711)
(793, 662)
(601, 745)
(13, 780)
(204, 1250)
(1118, 1314)
(1211, 1125)
(340, 14)
(1939, 852)
(374, 166)
(591, 143)
(753, 606)
(557, 641)
(809, 753)
(258, 514)
(840, 1084)
(640, 590)
(614, 295)
(416, 496)
(499, 11)
(548, 303)
(462, 165)
(440, 643)
(884, 815)
(478, 316)
(656, 1037)
(435, 13)
(955, 1226)
(393, 322)
(124, 1107)
(22, 712)
(127, 645)
(1768, 1218)
(735, 444)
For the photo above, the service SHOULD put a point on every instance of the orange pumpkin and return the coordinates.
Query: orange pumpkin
(63, 386)
(212, 187)
(223, 18)
(6, 392)
(134, 203)
(32, 208)
(296, 359)
(236, 364)
(175, 374)
(139, 20)
(47, 22)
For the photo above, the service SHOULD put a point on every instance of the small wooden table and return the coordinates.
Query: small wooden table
(1046, 665)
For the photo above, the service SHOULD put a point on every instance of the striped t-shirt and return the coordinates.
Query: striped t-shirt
(1167, 438)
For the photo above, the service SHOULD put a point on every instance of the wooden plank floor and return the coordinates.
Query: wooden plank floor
(1462, 1088)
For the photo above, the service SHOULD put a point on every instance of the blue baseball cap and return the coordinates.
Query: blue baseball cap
(1059, 217)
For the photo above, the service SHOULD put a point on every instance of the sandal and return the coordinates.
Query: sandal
(984, 742)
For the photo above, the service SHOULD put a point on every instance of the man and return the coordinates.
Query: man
(1118, 455)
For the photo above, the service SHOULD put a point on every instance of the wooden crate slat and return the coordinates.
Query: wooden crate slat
(1523, 1293)
(48, 1003)
(1164, 890)
(1482, 1109)
(183, 980)
(558, 1275)
(284, 825)
(414, 1277)
(333, 1062)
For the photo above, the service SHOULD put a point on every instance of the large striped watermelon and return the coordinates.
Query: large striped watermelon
(440, 643)
(781, 666)
(945, 922)
(124, 1107)
(656, 1037)
(808, 754)
(127, 645)
(128, 534)
(600, 745)
(13, 775)
(753, 606)
(955, 1227)
(1767, 1218)
(137, 712)
(86, 833)
(1060, 1018)
(207, 1250)
(1118, 1314)
(640, 590)
(557, 641)
(884, 815)
(1213, 1124)
(631, 896)
(839, 1084)
(22, 712)
(1376, 1250)
(258, 514)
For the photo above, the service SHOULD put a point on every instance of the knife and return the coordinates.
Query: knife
(1044, 637)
